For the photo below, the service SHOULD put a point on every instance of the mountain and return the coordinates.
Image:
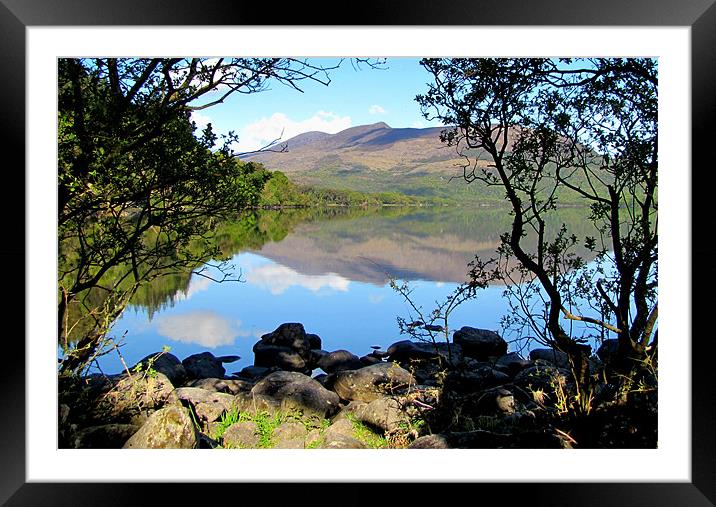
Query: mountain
(372, 158)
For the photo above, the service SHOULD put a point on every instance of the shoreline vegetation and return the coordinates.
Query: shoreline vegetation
(144, 196)
(470, 393)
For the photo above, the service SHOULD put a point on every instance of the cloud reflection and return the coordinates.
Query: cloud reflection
(201, 327)
(277, 279)
(196, 284)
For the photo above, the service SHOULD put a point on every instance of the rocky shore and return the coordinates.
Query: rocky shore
(471, 393)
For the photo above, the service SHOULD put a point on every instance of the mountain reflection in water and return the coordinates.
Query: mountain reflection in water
(327, 269)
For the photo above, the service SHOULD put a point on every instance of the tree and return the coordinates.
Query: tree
(138, 192)
(585, 127)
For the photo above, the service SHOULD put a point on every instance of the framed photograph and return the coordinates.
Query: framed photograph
(39, 35)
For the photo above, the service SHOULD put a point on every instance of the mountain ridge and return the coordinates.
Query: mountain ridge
(373, 157)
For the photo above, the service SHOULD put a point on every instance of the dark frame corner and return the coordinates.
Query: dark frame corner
(699, 15)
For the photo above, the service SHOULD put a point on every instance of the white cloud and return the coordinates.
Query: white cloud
(259, 133)
(376, 109)
(277, 279)
(202, 327)
(201, 121)
(417, 125)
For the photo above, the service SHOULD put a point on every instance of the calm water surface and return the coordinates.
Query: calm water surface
(328, 271)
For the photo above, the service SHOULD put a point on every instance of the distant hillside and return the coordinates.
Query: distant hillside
(377, 158)
(374, 158)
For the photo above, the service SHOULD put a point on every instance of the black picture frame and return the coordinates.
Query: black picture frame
(699, 15)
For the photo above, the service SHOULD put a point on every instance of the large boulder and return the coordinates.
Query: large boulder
(512, 363)
(478, 439)
(287, 347)
(208, 405)
(480, 343)
(384, 413)
(106, 436)
(290, 435)
(167, 428)
(339, 360)
(341, 435)
(242, 435)
(165, 363)
(475, 380)
(554, 356)
(297, 391)
(129, 395)
(285, 358)
(219, 385)
(406, 351)
(255, 372)
(371, 382)
(292, 336)
(255, 403)
(206, 365)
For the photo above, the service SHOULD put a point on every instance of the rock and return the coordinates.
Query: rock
(341, 435)
(291, 443)
(478, 439)
(369, 359)
(132, 394)
(203, 365)
(242, 435)
(314, 439)
(474, 380)
(165, 363)
(285, 358)
(384, 413)
(228, 359)
(298, 391)
(219, 385)
(256, 372)
(513, 363)
(406, 350)
(316, 355)
(343, 442)
(292, 336)
(495, 401)
(167, 428)
(63, 414)
(325, 380)
(254, 403)
(371, 382)
(556, 357)
(106, 436)
(350, 409)
(208, 405)
(287, 433)
(339, 360)
(435, 441)
(314, 341)
(480, 343)
(607, 351)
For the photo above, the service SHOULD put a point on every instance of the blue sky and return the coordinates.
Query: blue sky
(356, 96)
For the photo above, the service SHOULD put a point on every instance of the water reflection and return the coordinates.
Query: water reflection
(327, 270)
(276, 279)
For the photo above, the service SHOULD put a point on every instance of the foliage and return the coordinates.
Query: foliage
(139, 191)
(428, 327)
(585, 127)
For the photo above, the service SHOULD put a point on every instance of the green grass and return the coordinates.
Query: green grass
(366, 435)
(266, 424)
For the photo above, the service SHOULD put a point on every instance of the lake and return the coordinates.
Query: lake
(328, 269)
